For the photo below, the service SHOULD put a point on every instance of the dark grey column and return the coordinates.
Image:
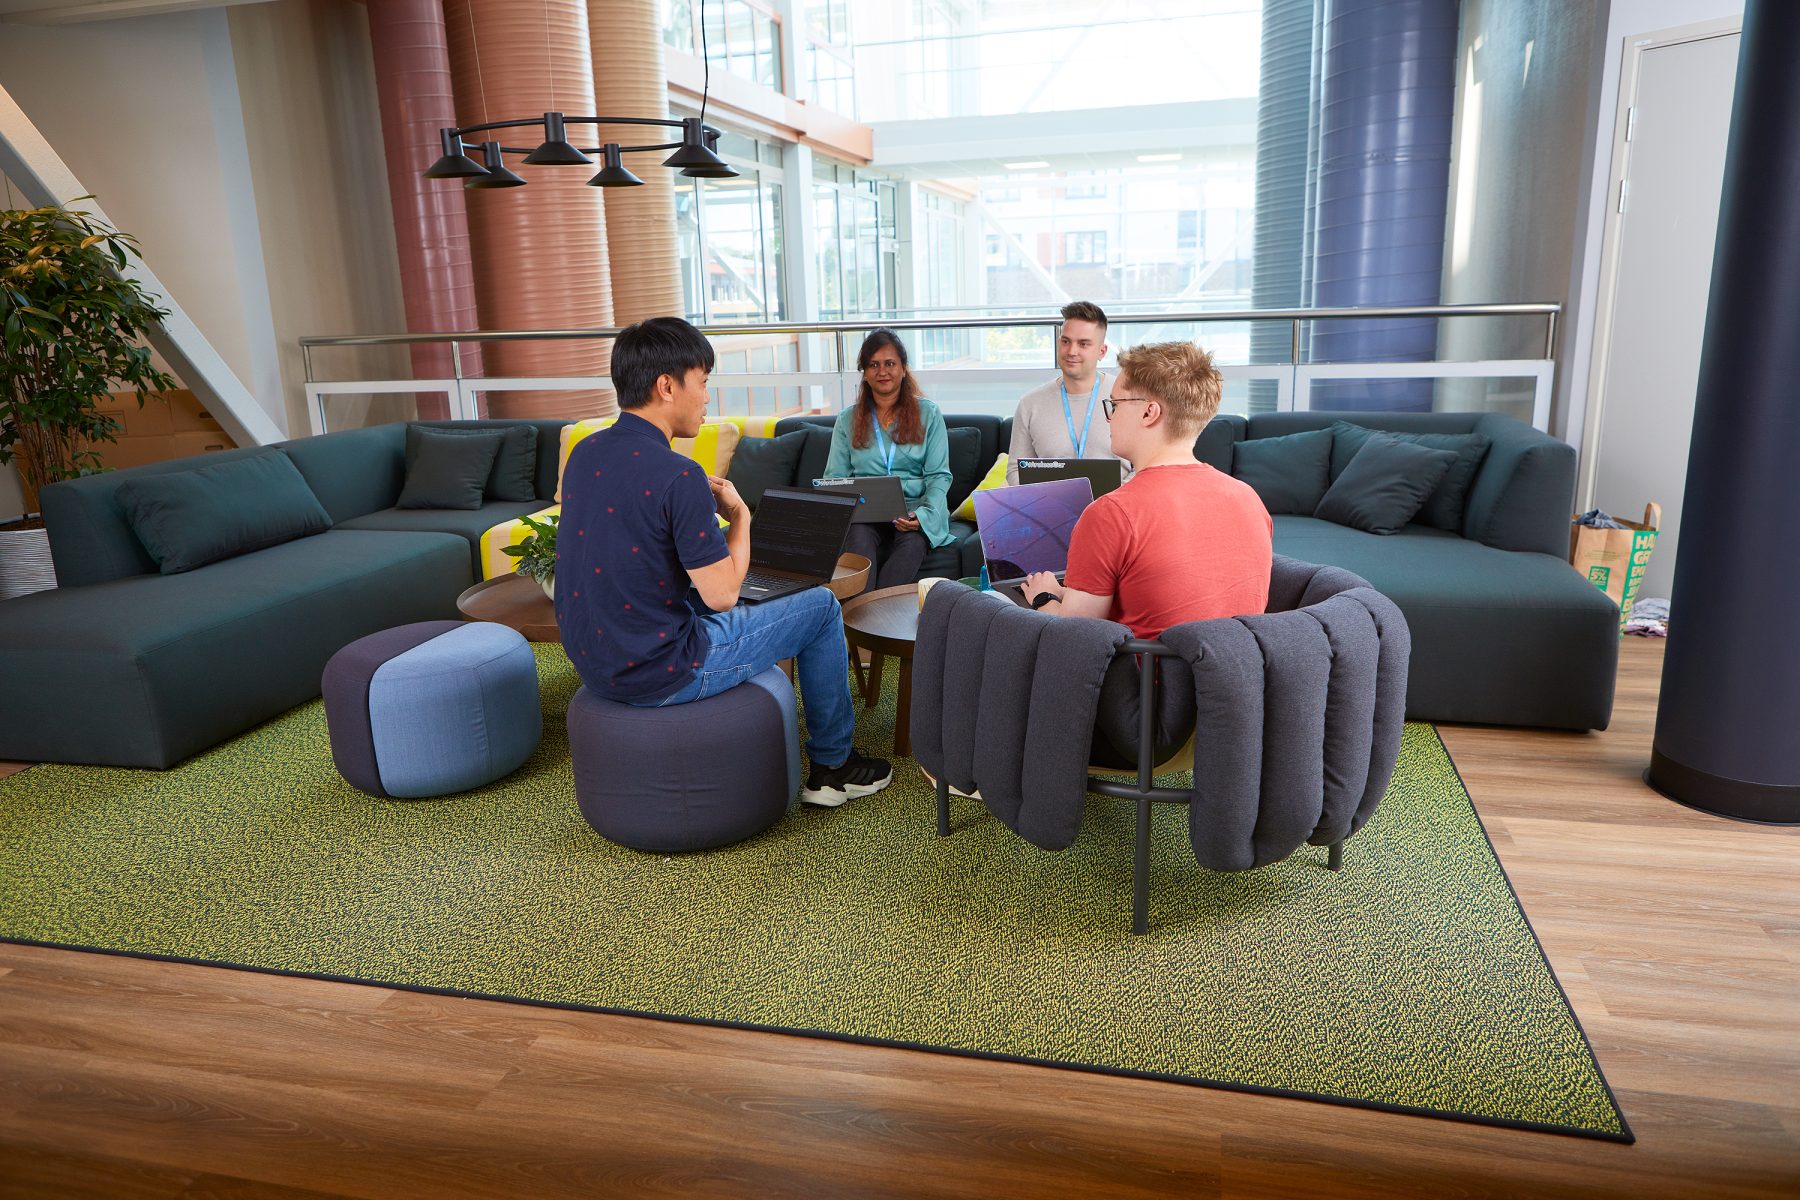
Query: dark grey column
(1728, 722)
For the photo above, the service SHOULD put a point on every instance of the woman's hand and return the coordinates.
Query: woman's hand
(907, 524)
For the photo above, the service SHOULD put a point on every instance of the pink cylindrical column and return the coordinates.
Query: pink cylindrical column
(540, 251)
(431, 229)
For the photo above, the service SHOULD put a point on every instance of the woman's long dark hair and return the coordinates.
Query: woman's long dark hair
(909, 423)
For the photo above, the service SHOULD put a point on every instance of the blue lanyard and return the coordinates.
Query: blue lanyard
(888, 447)
(1080, 443)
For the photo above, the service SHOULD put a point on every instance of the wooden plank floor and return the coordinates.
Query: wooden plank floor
(1677, 936)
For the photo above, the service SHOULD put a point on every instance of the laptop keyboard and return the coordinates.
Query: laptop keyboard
(764, 581)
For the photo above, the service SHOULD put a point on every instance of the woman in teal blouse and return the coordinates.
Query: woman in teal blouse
(893, 430)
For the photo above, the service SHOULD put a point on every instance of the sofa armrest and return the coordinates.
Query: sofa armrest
(1524, 493)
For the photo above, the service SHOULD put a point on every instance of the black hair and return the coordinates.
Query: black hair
(645, 352)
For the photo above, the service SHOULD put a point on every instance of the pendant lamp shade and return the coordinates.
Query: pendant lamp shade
(555, 149)
(695, 157)
(455, 164)
(614, 173)
(496, 175)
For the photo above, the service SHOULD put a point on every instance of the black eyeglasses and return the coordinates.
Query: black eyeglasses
(1112, 402)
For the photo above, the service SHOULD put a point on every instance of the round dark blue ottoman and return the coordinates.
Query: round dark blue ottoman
(432, 708)
(689, 776)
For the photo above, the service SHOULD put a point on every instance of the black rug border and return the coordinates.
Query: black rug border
(1624, 1137)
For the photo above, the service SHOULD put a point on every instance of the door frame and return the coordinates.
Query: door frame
(1600, 358)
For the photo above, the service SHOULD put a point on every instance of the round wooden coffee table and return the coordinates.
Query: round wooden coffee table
(884, 622)
(513, 600)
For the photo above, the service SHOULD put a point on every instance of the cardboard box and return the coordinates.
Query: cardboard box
(1614, 560)
(183, 444)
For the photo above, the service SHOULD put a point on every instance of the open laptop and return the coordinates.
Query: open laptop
(1026, 529)
(879, 496)
(795, 541)
(1106, 474)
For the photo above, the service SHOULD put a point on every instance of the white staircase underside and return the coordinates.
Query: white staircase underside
(73, 12)
(40, 174)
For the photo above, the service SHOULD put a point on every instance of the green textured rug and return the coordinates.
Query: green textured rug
(1410, 981)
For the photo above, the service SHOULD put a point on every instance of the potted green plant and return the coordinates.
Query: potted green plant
(71, 331)
(536, 552)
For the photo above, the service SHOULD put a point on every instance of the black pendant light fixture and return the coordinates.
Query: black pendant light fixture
(695, 155)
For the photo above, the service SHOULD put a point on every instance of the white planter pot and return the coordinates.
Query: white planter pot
(25, 564)
(548, 583)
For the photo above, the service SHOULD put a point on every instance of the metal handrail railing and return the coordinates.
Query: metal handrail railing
(457, 384)
(1211, 316)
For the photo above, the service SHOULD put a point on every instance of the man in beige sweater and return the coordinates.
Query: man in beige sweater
(1061, 419)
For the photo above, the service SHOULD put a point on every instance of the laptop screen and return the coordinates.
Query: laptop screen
(1027, 528)
(800, 531)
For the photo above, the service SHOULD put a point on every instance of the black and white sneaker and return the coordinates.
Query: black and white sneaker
(857, 775)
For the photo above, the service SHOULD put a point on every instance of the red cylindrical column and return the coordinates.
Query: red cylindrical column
(431, 228)
(540, 251)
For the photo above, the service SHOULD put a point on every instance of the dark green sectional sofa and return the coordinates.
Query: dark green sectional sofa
(123, 666)
(1504, 631)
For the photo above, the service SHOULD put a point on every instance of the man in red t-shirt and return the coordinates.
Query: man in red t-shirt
(1181, 541)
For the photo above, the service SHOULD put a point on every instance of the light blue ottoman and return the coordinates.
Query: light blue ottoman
(432, 708)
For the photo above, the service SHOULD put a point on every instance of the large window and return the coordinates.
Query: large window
(731, 237)
(968, 58)
(853, 221)
(742, 36)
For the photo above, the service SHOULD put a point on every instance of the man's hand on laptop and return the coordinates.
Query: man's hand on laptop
(725, 495)
(1039, 583)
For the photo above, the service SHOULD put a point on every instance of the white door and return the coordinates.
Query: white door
(1681, 114)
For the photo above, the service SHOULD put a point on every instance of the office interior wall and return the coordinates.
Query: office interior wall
(306, 79)
(1526, 70)
(145, 113)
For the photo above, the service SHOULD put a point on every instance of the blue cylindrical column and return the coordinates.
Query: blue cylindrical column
(1387, 99)
(1728, 721)
(1283, 131)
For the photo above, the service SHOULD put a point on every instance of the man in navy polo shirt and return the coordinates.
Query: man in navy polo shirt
(647, 583)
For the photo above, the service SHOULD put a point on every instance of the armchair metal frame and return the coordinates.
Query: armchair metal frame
(1143, 793)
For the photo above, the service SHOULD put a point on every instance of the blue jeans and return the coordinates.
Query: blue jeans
(749, 639)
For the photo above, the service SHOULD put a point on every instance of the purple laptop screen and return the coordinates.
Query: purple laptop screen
(1027, 528)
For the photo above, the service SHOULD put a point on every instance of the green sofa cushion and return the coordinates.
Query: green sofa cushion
(759, 464)
(514, 473)
(1443, 509)
(449, 468)
(1290, 474)
(1384, 485)
(187, 519)
(966, 467)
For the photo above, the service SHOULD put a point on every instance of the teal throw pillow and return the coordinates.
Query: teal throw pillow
(1289, 473)
(1443, 509)
(1384, 485)
(966, 467)
(759, 464)
(187, 519)
(514, 476)
(450, 469)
